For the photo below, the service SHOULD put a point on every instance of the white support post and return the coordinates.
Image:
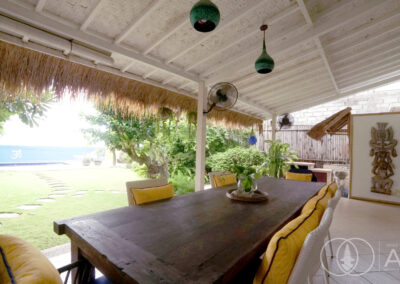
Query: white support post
(273, 133)
(201, 137)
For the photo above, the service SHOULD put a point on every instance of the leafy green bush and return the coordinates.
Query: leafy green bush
(238, 156)
(277, 158)
(182, 184)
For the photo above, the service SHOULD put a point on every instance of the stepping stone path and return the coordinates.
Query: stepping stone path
(99, 191)
(29, 206)
(81, 192)
(115, 191)
(45, 200)
(7, 215)
(56, 195)
(77, 195)
(61, 191)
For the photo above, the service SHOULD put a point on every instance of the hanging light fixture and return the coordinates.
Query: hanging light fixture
(264, 64)
(204, 16)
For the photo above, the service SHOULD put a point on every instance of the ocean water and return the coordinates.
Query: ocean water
(14, 154)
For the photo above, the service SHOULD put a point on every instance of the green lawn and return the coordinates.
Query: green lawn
(36, 226)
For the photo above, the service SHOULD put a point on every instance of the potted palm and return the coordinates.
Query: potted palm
(277, 159)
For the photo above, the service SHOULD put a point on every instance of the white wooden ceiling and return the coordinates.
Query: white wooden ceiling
(323, 49)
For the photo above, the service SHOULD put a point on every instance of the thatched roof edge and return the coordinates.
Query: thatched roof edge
(330, 125)
(24, 70)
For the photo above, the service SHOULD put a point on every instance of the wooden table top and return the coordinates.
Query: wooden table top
(201, 237)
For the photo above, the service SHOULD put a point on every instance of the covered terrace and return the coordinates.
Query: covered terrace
(143, 55)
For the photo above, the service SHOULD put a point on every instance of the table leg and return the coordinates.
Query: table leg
(84, 273)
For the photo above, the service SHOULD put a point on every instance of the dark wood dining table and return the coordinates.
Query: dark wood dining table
(201, 237)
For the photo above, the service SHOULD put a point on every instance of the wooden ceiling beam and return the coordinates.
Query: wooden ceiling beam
(227, 21)
(40, 5)
(289, 11)
(143, 14)
(44, 22)
(320, 28)
(91, 15)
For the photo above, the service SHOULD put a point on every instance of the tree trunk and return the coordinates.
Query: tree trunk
(114, 157)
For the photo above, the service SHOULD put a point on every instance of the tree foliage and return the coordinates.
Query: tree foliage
(29, 107)
(164, 145)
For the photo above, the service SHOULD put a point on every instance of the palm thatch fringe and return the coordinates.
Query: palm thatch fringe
(24, 70)
(330, 125)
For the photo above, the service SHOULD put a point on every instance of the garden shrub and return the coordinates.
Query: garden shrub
(182, 184)
(245, 157)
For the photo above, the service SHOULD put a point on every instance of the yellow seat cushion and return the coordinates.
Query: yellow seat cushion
(26, 263)
(318, 202)
(283, 249)
(333, 187)
(146, 195)
(225, 180)
(297, 176)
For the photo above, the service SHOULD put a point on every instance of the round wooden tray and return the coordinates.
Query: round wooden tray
(258, 196)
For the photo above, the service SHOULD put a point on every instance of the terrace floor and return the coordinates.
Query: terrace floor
(378, 224)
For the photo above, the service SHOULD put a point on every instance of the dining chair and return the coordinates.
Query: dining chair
(284, 247)
(332, 204)
(312, 253)
(220, 179)
(298, 176)
(149, 190)
(320, 201)
(14, 267)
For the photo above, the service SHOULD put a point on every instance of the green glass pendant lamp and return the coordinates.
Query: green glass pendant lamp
(264, 64)
(204, 16)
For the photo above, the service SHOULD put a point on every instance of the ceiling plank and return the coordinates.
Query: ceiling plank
(326, 63)
(227, 21)
(282, 67)
(376, 44)
(46, 23)
(303, 67)
(318, 43)
(166, 35)
(40, 5)
(288, 11)
(150, 8)
(331, 97)
(319, 29)
(364, 28)
(91, 15)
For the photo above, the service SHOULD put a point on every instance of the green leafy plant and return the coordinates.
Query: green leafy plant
(182, 184)
(238, 156)
(276, 159)
(246, 176)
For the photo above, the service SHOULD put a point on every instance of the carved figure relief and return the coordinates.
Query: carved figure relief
(383, 149)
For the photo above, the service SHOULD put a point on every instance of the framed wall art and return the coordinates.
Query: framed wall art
(375, 157)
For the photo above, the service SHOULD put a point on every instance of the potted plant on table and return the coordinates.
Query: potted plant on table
(246, 180)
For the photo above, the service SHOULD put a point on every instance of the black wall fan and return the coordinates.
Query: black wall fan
(285, 121)
(223, 95)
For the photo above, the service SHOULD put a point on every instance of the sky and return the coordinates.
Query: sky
(61, 126)
(63, 123)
